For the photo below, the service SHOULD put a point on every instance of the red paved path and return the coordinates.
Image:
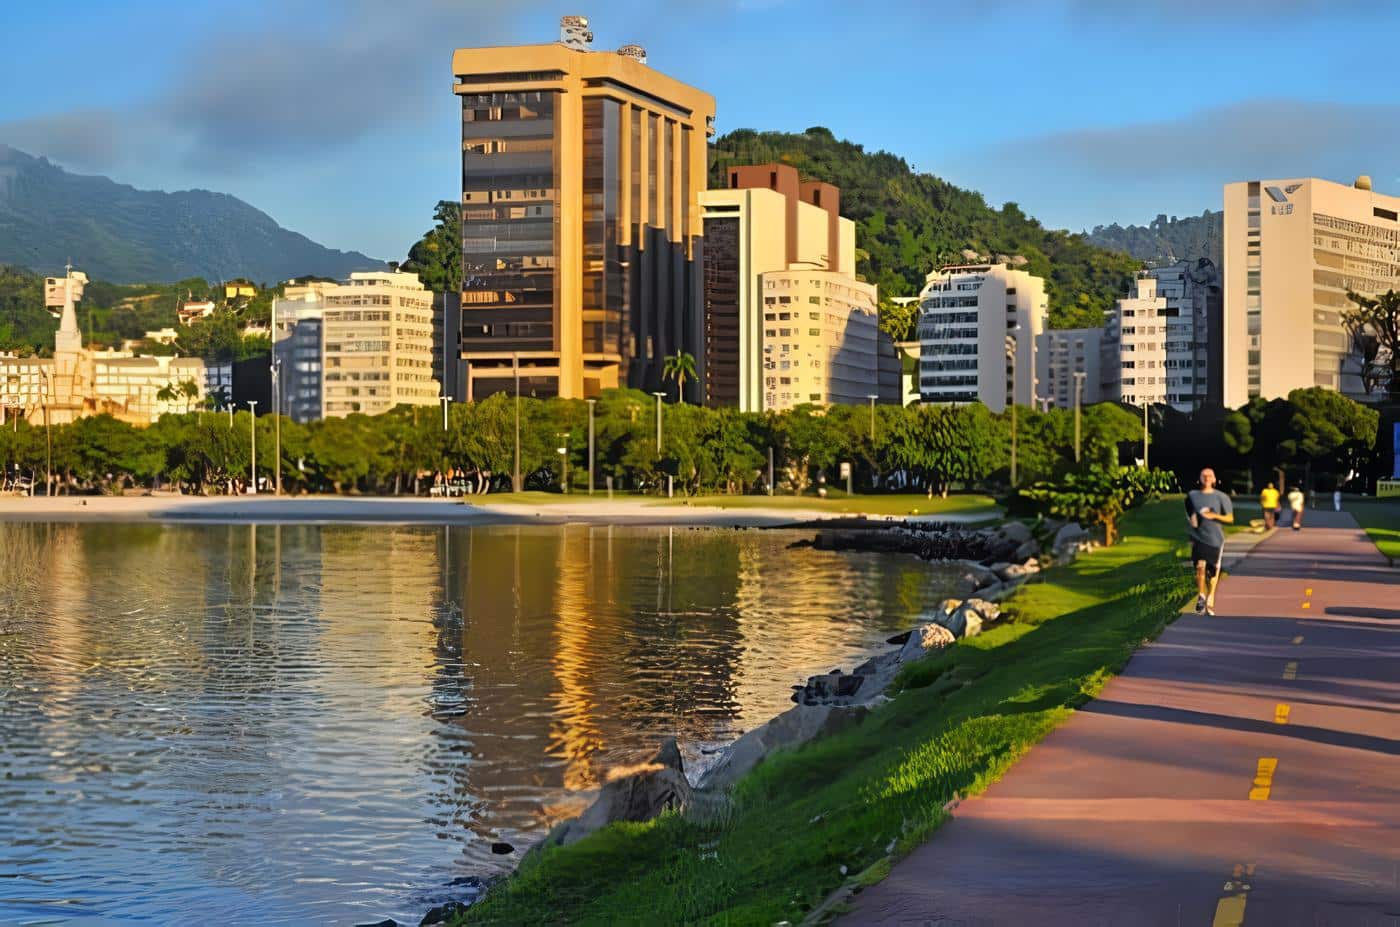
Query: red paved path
(1138, 810)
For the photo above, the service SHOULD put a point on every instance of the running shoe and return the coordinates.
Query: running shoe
(1200, 604)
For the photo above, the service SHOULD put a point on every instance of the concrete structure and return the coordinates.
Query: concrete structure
(581, 232)
(192, 310)
(1293, 248)
(1065, 357)
(1135, 355)
(77, 382)
(785, 320)
(365, 345)
(966, 313)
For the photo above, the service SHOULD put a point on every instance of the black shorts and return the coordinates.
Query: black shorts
(1209, 553)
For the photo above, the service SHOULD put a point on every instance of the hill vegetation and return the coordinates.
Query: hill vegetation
(125, 235)
(1166, 241)
(908, 223)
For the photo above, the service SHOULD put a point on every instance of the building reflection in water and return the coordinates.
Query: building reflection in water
(296, 722)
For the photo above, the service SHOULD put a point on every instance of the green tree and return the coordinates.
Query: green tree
(437, 257)
(1100, 495)
(679, 367)
(1375, 330)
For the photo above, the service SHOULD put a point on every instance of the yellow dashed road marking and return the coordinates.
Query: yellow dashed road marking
(1229, 910)
(1298, 639)
(1281, 712)
(1290, 669)
(1263, 778)
(1307, 591)
(1307, 605)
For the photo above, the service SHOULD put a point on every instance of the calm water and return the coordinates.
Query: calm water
(300, 724)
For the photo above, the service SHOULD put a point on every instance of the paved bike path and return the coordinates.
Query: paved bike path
(1244, 769)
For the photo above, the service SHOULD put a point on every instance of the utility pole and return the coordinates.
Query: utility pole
(445, 400)
(277, 423)
(659, 397)
(770, 469)
(253, 433)
(592, 403)
(872, 397)
(1078, 401)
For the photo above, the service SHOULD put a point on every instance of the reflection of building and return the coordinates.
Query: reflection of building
(365, 345)
(1060, 354)
(580, 226)
(1293, 248)
(77, 382)
(966, 313)
(785, 320)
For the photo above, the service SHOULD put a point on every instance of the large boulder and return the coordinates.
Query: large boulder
(1016, 531)
(925, 640)
(976, 574)
(795, 726)
(1068, 536)
(1026, 551)
(1019, 570)
(828, 687)
(637, 793)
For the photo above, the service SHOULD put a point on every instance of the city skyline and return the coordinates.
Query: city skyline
(294, 107)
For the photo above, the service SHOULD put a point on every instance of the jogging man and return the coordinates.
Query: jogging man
(1206, 510)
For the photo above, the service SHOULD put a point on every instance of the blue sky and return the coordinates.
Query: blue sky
(337, 117)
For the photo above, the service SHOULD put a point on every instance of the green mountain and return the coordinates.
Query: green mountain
(118, 233)
(1166, 241)
(909, 223)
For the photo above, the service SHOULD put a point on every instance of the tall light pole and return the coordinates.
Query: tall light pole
(872, 397)
(445, 400)
(564, 463)
(1145, 437)
(659, 397)
(277, 424)
(253, 458)
(592, 404)
(1011, 359)
(1078, 401)
(48, 434)
(515, 483)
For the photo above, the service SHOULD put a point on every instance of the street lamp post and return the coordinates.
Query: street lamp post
(277, 425)
(564, 463)
(445, 400)
(1011, 359)
(592, 404)
(515, 483)
(1145, 436)
(872, 397)
(253, 458)
(1078, 401)
(659, 397)
(48, 435)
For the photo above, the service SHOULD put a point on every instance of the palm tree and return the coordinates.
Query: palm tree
(679, 367)
(189, 390)
(168, 393)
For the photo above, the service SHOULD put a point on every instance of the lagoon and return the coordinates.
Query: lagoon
(332, 724)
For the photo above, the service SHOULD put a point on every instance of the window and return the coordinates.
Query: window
(814, 300)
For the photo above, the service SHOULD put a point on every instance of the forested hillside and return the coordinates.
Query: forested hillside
(1166, 241)
(909, 223)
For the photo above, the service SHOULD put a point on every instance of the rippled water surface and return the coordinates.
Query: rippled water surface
(301, 724)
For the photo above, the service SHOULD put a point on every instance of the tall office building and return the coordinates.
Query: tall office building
(785, 320)
(1135, 345)
(966, 314)
(1293, 248)
(581, 231)
(365, 345)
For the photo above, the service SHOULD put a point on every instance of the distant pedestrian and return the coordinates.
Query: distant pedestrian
(1207, 509)
(1268, 501)
(1336, 500)
(1295, 505)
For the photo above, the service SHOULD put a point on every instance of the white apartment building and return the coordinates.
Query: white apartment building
(1135, 339)
(786, 322)
(1068, 359)
(1293, 248)
(820, 339)
(966, 314)
(365, 345)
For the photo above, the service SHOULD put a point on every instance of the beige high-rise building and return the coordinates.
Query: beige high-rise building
(786, 321)
(1293, 248)
(973, 320)
(581, 234)
(364, 345)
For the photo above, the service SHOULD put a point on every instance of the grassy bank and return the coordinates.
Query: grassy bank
(1381, 519)
(807, 820)
(836, 502)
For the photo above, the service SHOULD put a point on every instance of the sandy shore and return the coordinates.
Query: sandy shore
(391, 510)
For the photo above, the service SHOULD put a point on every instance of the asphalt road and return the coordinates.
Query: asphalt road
(1244, 769)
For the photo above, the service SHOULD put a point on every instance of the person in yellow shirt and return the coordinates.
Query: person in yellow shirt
(1268, 501)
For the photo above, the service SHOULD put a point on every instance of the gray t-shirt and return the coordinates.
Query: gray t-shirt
(1207, 531)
